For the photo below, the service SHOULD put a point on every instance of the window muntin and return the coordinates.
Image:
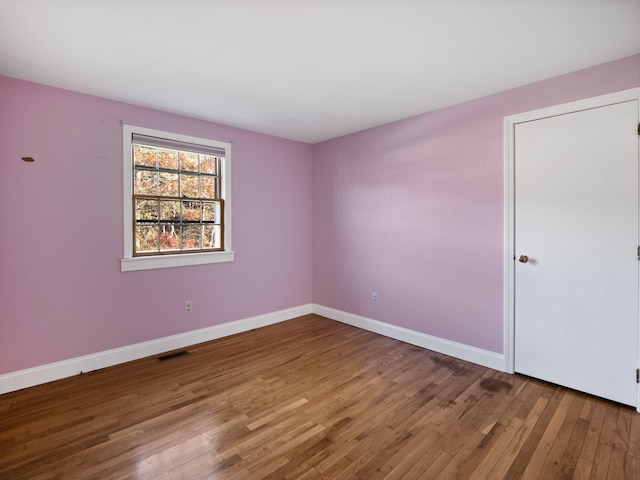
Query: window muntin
(179, 186)
(177, 203)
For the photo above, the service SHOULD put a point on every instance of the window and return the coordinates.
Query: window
(177, 203)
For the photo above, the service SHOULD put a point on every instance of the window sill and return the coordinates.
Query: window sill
(168, 261)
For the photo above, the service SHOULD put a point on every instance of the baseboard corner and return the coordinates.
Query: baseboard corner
(468, 353)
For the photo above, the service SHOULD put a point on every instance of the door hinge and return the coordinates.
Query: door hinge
(639, 129)
(638, 252)
(637, 375)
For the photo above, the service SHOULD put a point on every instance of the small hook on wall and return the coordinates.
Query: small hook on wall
(28, 159)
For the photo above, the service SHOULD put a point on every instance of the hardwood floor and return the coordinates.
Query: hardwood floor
(309, 399)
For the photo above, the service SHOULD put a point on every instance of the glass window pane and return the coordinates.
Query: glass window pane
(170, 210)
(169, 184)
(208, 164)
(189, 186)
(189, 162)
(169, 237)
(145, 156)
(210, 211)
(146, 209)
(146, 238)
(208, 187)
(168, 159)
(211, 236)
(191, 211)
(145, 183)
(191, 237)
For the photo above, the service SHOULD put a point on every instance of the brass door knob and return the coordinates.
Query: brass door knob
(523, 259)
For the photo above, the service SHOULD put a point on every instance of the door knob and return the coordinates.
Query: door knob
(523, 259)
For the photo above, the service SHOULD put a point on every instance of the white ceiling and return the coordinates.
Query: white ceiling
(307, 70)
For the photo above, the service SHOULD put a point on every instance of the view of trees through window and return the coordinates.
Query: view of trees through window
(177, 201)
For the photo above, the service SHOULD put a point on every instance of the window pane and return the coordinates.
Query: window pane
(208, 187)
(191, 211)
(169, 239)
(211, 236)
(146, 209)
(170, 210)
(210, 212)
(208, 164)
(168, 159)
(145, 183)
(191, 237)
(145, 156)
(189, 186)
(169, 184)
(189, 162)
(146, 238)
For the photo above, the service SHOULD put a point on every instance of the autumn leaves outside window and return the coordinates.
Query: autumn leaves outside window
(178, 205)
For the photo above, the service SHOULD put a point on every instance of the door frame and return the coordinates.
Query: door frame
(510, 123)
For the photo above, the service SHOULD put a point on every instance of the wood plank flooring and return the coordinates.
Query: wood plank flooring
(310, 399)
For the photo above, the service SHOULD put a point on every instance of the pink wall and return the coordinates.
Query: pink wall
(414, 211)
(62, 294)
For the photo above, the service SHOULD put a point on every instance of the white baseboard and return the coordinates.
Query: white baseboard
(447, 347)
(67, 368)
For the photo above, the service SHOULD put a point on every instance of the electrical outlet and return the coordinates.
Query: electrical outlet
(374, 297)
(188, 306)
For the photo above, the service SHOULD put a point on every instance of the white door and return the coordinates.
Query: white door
(576, 219)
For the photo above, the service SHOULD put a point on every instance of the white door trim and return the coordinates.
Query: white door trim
(510, 123)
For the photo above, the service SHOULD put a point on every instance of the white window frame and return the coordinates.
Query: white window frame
(131, 263)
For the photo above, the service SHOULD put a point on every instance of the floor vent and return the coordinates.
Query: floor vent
(169, 356)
